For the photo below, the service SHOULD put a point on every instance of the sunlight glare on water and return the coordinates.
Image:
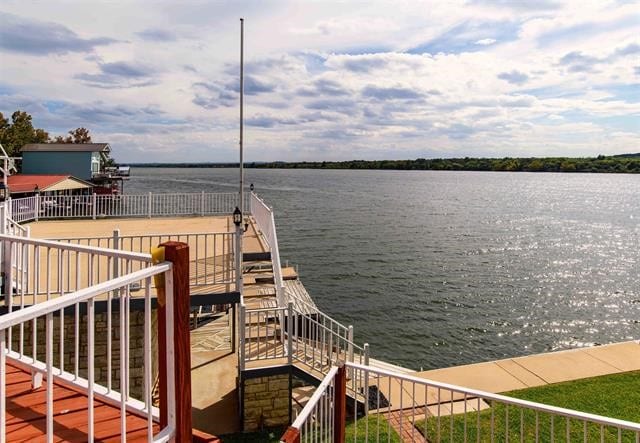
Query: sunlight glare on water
(438, 268)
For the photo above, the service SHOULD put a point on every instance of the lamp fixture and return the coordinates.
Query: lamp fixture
(237, 217)
(4, 191)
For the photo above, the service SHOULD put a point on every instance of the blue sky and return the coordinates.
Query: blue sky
(329, 80)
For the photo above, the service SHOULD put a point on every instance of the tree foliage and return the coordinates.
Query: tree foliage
(19, 131)
(78, 135)
(626, 163)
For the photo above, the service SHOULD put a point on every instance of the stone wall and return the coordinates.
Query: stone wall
(266, 402)
(136, 347)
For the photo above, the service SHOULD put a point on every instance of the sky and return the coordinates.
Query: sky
(325, 80)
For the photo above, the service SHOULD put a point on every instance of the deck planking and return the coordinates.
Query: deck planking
(26, 413)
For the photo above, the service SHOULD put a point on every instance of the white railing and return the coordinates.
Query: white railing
(319, 342)
(23, 209)
(48, 357)
(35, 269)
(316, 420)
(210, 253)
(263, 216)
(123, 205)
(400, 407)
(262, 337)
(314, 340)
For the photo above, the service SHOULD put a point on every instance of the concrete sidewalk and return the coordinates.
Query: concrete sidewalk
(541, 369)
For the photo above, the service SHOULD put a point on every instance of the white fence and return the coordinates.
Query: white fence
(400, 407)
(211, 254)
(35, 336)
(124, 205)
(316, 420)
(34, 269)
(263, 216)
(313, 340)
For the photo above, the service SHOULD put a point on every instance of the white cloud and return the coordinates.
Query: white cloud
(485, 41)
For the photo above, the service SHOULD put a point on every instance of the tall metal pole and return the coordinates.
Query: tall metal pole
(239, 230)
(241, 199)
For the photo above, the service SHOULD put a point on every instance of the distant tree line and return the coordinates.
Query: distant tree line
(19, 131)
(626, 163)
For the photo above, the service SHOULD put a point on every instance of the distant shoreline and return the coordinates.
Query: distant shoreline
(625, 164)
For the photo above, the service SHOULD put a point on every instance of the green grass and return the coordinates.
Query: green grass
(616, 396)
(371, 426)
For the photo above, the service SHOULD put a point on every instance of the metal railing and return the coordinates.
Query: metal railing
(262, 336)
(122, 205)
(34, 269)
(398, 407)
(211, 254)
(48, 344)
(264, 218)
(314, 340)
(316, 423)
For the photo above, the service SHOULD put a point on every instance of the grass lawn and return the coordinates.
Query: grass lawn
(371, 426)
(616, 396)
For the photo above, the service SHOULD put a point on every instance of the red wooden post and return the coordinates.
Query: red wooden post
(178, 254)
(291, 435)
(340, 405)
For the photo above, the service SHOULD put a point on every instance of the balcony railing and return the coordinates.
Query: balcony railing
(56, 335)
(40, 207)
(312, 340)
(211, 253)
(416, 409)
(265, 220)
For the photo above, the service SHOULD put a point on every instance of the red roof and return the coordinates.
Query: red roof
(28, 182)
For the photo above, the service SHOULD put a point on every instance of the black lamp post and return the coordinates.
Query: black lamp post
(237, 217)
(4, 191)
(251, 188)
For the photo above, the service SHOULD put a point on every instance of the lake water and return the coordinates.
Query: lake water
(438, 268)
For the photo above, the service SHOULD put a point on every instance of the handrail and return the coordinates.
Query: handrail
(56, 304)
(78, 248)
(122, 205)
(211, 249)
(411, 418)
(470, 392)
(51, 363)
(315, 398)
(263, 215)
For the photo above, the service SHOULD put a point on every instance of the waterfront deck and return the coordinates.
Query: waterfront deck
(26, 413)
(211, 255)
(214, 362)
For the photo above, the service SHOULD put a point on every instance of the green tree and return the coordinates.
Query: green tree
(19, 132)
(78, 135)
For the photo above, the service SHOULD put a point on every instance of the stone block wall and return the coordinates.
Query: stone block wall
(67, 326)
(266, 402)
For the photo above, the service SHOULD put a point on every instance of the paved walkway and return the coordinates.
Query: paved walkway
(541, 369)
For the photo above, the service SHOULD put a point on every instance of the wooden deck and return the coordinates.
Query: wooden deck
(26, 413)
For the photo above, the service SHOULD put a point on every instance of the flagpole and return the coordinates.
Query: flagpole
(241, 197)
